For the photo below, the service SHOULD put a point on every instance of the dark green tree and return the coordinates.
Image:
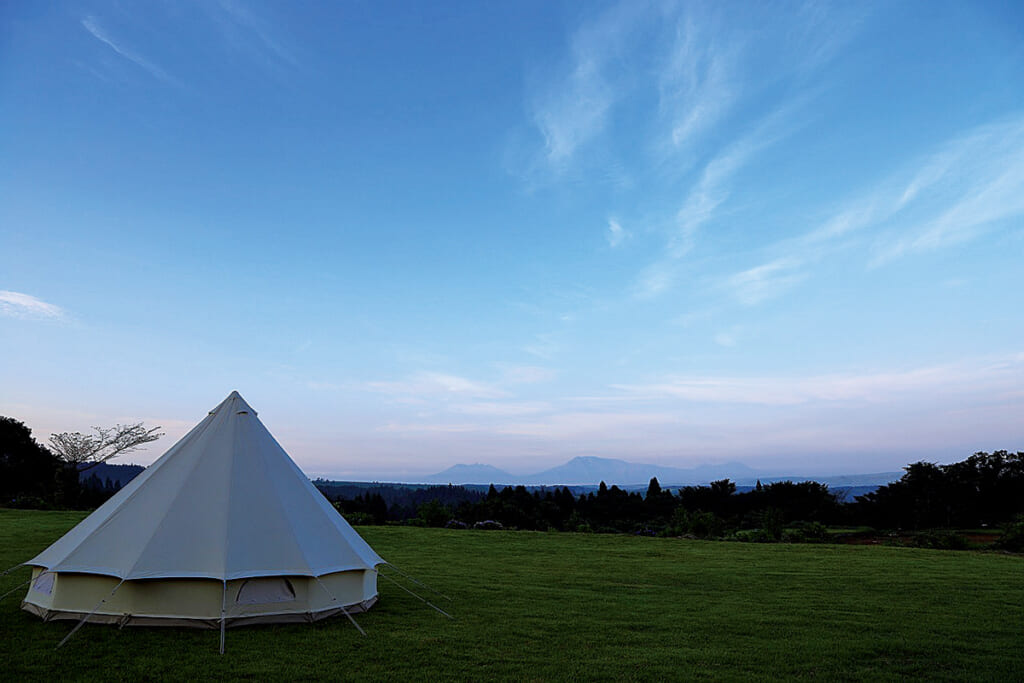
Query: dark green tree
(28, 470)
(658, 504)
(434, 513)
(716, 498)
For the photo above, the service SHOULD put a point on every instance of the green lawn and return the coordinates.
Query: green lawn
(551, 606)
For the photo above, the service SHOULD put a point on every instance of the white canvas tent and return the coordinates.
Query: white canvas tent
(223, 530)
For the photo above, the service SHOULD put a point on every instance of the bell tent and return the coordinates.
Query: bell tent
(223, 530)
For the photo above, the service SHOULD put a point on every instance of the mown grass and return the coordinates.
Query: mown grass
(556, 606)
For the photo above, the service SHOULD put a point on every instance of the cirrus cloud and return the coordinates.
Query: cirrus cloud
(19, 305)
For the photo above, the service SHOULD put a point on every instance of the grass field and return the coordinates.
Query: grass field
(553, 606)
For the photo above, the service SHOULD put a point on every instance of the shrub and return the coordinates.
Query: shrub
(751, 536)
(805, 532)
(358, 518)
(793, 536)
(29, 503)
(697, 524)
(939, 540)
(488, 524)
(1012, 538)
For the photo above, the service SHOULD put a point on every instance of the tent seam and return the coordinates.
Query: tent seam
(279, 500)
(170, 505)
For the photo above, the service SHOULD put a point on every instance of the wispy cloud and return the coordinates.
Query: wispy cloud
(503, 409)
(994, 376)
(766, 281)
(706, 72)
(545, 345)
(436, 384)
(726, 339)
(703, 201)
(18, 305)
(321, 385)
(655, 279)
(714, 186)
(569, 120)
(526, 374)
(969, 185)
(92, 25)
(248, 32)
(592, 425)
(572, 109)
(615, 234)
(820, 30)
(696, 64)
(697, 82)
(429, 428)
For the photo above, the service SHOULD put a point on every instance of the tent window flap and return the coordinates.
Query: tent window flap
(44, 583)
(265, 590)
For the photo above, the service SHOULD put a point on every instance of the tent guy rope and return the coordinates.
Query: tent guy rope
(385, 576)
(18, 587)
(418, 583)
(342, 607)
(86, 617)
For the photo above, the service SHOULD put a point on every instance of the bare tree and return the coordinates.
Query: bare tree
(77, 449)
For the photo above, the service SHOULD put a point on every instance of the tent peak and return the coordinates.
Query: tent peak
(235, 403)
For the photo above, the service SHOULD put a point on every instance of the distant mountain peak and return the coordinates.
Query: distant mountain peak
(595, 459)
(477, 473)
(590, 470)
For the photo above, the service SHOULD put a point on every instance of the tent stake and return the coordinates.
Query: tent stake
(344, 611)
(418, 583)
(86, 617)
(414, 595)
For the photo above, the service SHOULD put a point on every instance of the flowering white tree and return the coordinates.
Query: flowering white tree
(84, 451)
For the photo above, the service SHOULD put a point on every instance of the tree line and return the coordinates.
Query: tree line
(984, 490)
(381, 503)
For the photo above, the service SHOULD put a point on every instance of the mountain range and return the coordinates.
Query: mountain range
(591, 470)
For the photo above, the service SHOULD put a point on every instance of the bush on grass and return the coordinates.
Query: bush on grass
(358, 518)
(695, 524)
(939, 540)
(1012, 538)
(488, 525)
(29, 503)
(805, 532)
(751, 536)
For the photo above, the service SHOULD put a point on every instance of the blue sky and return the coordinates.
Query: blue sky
(419, 234)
